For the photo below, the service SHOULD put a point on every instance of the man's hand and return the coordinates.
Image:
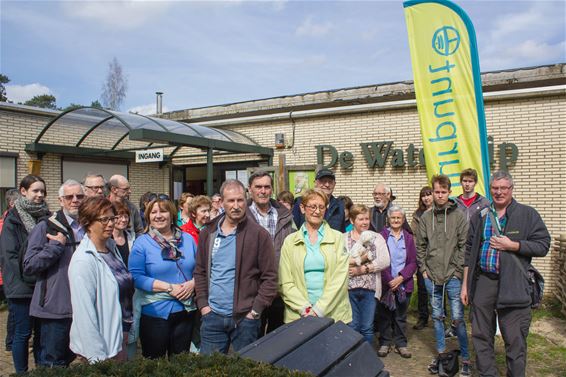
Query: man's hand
(204, 311)
(503, 243)
(425, 276)
(464, 295)
(59, 237)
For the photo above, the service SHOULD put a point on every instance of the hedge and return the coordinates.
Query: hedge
(187, 364)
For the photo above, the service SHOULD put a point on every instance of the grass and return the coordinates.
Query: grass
(550, 308)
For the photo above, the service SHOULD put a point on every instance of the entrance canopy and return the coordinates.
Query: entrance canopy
(93, 132)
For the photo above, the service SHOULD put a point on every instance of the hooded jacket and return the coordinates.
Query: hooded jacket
(441, 242)
(479, 203)
(524, 225)
(49, 261)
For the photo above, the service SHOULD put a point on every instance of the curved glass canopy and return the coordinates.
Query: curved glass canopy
(92, 131)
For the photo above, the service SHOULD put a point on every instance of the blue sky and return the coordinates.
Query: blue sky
(211, 52)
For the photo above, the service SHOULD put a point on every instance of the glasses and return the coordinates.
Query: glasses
(314, 207)
(70, 197)
(95, 188)
(106, 219)
(127, 188)
(123, 216)
(379, 194)
(501, 188)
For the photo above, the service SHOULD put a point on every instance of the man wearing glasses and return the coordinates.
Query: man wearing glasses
(501, 243)
(51, 245)
(94, 185)
(326, 181)
(383, 199)
(120, 192)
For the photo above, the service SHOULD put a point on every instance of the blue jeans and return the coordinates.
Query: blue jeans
(363, 310)
(218, 331)
(55, 351)
(23, 325)
(436, 296)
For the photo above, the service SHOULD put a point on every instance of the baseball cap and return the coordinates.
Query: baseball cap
(325, 173)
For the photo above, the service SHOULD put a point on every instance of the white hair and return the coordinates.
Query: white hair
(68, 183)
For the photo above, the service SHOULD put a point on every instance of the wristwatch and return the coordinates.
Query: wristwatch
(170, 289)
(255, 315)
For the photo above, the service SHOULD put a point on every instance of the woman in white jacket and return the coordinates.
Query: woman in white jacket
(101, 287)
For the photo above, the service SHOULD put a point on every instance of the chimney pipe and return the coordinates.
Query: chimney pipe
(159, 103)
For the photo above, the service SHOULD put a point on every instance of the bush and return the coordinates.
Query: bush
(186, 364)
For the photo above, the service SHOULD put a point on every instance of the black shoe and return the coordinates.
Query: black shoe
(420, 325)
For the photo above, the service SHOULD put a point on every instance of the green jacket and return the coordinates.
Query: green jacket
(441, 242)
(334, 302)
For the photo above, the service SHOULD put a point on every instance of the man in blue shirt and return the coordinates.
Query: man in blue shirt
(235, 275)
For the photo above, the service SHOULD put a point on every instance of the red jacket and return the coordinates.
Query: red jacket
(191, 228)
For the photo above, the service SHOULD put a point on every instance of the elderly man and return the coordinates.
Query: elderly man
(502, 241)
(277, 220)
(120, 192)
(94, 184)
(235, 275)
(326, 181)
(383, 199)
(50, 247)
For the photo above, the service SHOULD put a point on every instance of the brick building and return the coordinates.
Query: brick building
(526, 123)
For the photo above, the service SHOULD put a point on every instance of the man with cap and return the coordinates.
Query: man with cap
(334, 216)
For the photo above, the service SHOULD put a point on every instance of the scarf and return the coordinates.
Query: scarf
(30, 212)
(169, 248)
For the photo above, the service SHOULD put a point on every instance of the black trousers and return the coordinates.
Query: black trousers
(514, 324)
(272, 317)
(422, 298)
(169, 336)
(393, 324)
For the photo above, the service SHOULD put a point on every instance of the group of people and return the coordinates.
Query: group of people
(219, 272)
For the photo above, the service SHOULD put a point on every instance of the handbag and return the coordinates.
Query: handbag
(448, 363)
(533, 276)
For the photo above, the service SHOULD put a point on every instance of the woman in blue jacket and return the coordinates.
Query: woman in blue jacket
(162, 262)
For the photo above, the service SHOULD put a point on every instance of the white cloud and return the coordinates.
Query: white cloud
(116, 14)
(278, 5)
(22, 93)
(311, 29)
(148, 109)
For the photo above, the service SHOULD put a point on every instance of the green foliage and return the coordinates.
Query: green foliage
(181, 365)
(46, 101)
(550, 307)
(72, 106)
(3, 80)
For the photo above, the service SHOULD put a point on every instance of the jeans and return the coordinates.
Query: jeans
(23, 325)
(54, 342)
(393, 323)
(436, 295)
(363, 309)
(10, 330)
(218, 331)
(170, 336)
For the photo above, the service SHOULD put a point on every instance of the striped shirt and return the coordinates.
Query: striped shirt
(268, 221)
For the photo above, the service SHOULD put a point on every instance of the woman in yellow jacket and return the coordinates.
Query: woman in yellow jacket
(313, 270)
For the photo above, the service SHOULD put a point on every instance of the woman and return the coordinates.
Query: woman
(101, 287)
(286, 199)
(348, 203)
(121, 235)
(425, 202)
(28, 209)
(184, 213)
(313, 270)
(368, 256)
(199, 215)
(162, 263)
(397, 281)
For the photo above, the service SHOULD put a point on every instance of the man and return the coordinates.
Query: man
(470, 202)
(120, 191)
(235, 275)
(216, 209)
(51, 245)
(277, 220)
(502, 241)
(94, 185)
(441, 242)
(383, 198)
(326, 181)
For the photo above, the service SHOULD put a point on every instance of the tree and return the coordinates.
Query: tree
(46, 101)
(115, 87)
(73, 106)
(3, 80)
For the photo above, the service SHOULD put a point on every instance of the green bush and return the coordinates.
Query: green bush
(181, 365)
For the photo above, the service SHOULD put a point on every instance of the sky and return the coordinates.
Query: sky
(206, 53)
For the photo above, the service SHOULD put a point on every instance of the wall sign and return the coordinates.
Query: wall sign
(149, 155)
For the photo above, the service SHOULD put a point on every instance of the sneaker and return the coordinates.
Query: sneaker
(404, 352)
(383, 351)
(466, 369)
(433, 366)
(420, 325)
(450, 332)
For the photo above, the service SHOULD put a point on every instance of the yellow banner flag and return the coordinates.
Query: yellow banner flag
(448, 91)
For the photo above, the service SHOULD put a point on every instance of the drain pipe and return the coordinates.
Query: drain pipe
(159, 110)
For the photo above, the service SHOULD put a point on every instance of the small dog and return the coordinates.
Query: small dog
(360, 248)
